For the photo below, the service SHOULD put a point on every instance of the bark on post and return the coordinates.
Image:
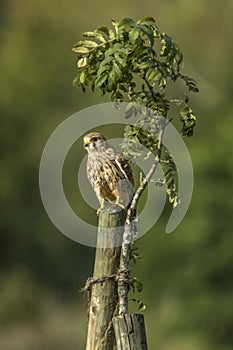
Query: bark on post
(103, 286)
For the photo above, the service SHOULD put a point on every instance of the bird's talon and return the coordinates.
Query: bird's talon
(120, 205)
(100, 208)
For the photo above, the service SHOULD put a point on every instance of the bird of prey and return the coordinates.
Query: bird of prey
(109, 173)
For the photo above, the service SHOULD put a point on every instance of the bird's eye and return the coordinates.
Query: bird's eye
(94, 139)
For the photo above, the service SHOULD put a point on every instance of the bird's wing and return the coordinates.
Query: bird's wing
(124, 166)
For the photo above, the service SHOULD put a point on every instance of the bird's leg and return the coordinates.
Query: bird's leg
(101, 206)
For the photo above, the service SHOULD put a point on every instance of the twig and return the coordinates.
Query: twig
(130, 230)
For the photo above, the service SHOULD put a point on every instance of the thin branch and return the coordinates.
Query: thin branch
(130, 231)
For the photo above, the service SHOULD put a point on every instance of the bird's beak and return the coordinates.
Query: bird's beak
(86, 143)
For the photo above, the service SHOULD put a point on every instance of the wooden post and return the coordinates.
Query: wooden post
(130, 332)
(104, 298)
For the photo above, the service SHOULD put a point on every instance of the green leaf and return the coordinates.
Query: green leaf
(107, 60)
(141, 307)
(144, 65)
(111, 80)
(193, 88)
(82, 62)
(82, 78)
(180, 58)
(123, 87)
(170, 174)
(112, 50)
(76, 80)
(117, 96)
(190, 83)
(133, 35)
(118, 49)
(162, 83)
(86, 43)
(188, 120)
(120, 60)
(167, 44)
(149, 33)
(111, 34)
(146, 20)
(101, 80)
(103, 68)
(126, 22)
(185, 110)
(95, 35)
(139, 286)
(104, 30)
(116, 71)
(150, 74)
(108, 32)
(100, 37)
(114, 23)
(89, 34)
(81, 50)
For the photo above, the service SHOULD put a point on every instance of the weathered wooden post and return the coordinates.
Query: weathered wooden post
(103, 287)
(105, 325)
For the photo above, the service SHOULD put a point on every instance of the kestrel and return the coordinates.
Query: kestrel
(108, 172)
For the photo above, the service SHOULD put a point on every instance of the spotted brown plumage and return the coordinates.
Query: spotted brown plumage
(108, 172)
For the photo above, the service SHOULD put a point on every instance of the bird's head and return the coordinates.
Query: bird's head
(94, 141)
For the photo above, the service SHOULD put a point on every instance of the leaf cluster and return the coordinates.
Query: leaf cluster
(141, 305)
(137, 287)
(134, 253)
(134, 61)
(170, 175)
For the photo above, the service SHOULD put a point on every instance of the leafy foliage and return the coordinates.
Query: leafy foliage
(123, 61)
(134, 62)
(170, 174)
(134, 253)
(136, 286)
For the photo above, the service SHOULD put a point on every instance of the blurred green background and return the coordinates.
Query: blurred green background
(188, 275)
